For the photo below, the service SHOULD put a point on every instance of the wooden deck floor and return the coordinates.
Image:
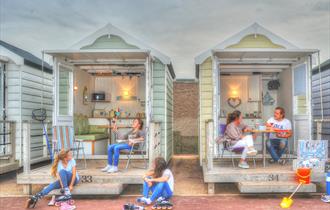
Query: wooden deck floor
(93, 171)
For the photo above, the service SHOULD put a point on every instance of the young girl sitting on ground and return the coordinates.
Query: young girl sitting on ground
(64, 170)
(159, 181)
(236, 139)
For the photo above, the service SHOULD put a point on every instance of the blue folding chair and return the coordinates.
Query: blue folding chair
(63, 138)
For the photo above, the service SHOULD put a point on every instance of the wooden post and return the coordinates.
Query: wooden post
(154, 141)
(209, 144)
(26, 147)
(13, 141)
(318, 130)
(151, 142)
(211, 188)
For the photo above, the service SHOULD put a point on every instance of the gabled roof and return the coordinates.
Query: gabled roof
(255, 28)
(110, 29)
(29, 59)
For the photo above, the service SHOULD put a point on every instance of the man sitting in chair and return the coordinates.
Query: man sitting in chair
(278, 142)
(136, 135)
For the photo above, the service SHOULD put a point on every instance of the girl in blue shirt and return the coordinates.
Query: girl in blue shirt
(64, 170)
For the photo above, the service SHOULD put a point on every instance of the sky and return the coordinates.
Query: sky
(181, 29)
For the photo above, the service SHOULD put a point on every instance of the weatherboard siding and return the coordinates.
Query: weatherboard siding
(169, 114)
(206, 100)
(26, 86)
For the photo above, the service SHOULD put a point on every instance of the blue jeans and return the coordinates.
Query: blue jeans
(276, 147)
(65, 177)
(113, 153)
(158, 189)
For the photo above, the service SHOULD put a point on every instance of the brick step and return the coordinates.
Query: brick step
(274, 187)
(96, 189)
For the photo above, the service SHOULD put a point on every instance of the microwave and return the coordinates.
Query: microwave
(98, 96)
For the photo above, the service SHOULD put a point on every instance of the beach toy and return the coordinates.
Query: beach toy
(303, 177)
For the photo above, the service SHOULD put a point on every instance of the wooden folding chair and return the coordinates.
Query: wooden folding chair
(63, 138)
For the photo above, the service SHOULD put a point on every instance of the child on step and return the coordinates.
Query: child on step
(159, 181)
(64, 170)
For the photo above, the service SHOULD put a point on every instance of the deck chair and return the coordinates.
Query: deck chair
(227, 147)
(138, 148)
(63, 138)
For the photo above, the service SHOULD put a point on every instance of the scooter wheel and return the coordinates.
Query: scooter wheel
(58, 204)
(71, 202)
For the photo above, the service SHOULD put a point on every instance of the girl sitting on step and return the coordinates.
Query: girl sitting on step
(159, 181)
(64, 170)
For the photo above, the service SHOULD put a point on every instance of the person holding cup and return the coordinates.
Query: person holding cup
(278, 141)
(137, 134)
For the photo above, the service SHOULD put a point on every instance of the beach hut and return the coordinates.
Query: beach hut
(112, 73)
(26, 84)
(253, 71)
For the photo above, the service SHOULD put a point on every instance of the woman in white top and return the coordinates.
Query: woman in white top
(159, 181)
(64, 170)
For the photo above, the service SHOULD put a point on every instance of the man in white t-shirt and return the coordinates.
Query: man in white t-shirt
(277, 142)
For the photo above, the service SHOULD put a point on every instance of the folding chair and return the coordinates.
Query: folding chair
(138, 148)
(63, 138)
(231, 150)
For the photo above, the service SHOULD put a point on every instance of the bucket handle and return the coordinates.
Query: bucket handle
(304, 177)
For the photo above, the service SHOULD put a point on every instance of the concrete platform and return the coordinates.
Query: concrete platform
(90, 178)
(258, 179)
(8, 167)
(274, 187)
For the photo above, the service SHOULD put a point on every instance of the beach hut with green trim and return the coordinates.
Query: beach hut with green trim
(107, 70)
(253, 71)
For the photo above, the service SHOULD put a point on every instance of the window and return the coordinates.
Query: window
(64, 91)
(300, 89)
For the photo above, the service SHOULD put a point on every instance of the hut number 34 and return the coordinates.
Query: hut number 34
(273, 177)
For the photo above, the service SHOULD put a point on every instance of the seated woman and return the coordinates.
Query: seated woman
(64, 169)
(137, 134)
(234, 136)
(159, 181)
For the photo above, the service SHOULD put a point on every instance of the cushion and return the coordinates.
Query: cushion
(92, 136)
(94, 129)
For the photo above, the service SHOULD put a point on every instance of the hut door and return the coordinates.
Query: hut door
(63, 115)
(301, 102)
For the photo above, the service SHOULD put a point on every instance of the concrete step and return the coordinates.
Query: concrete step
(274, 187)
(96, 189)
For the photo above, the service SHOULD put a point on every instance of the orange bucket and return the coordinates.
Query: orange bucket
(303, 175)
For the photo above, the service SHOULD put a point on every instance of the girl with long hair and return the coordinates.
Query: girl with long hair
(159, 181)
(137, 134)
(235, 137)
(64, 170)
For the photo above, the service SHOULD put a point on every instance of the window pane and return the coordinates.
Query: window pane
(300, 90)
(64, 91)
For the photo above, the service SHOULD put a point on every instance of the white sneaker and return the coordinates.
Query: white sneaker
(106, 168)
(113, 169)
(243, 165)
(252, 152)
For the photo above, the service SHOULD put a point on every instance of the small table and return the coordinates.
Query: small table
(263, 132)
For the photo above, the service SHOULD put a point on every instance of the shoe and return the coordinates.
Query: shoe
(113, 169)
(243, 165)
(325, 198)
(141, 200)
(271, 161)
(252, 152)
(67, 206)
(31, 202)
(160, 199)
(63, 198)
(281, 162)
(105, 169)
(52, 201)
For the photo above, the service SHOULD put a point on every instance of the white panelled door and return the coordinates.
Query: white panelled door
(63, 112)
(301, 102)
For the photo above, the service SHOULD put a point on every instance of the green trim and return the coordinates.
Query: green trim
(109, 42)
